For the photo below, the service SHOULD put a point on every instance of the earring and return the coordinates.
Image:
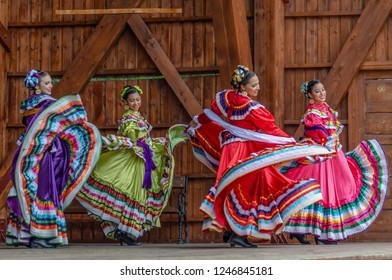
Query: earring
(311, 101)
(37, 91)
(126, 107)
(244, 93)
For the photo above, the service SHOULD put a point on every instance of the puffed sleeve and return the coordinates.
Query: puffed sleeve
(315, 128)
(130, 130)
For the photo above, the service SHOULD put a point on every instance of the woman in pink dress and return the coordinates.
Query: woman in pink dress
(250, 197)
(353, 185)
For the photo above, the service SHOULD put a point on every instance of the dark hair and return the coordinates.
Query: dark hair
(247, 77)
(127, 90)
(311, 85)
(307, 87)
(241, 76)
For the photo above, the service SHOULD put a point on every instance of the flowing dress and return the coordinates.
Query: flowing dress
(353, 185)
(56, 154)
(130, 185)
(250, 196)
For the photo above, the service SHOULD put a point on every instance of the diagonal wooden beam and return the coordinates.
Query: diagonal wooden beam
(165, 66)
(231, 37)
(94, 51)
(5, 180)
(5, 38)
(354, 51)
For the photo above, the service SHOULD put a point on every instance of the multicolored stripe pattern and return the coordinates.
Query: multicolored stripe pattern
(238, 112)
(116, 211)
(270, 210)
(31, 103)
(331, 125)
(65, 119)
(355, 216)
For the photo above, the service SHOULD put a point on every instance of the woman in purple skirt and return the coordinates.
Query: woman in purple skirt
(56, 154)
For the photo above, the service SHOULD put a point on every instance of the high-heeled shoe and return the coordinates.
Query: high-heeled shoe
(226, 236)
(123, 238)
(40, 243)
(300, 237)
(326, 242)
(240, 241)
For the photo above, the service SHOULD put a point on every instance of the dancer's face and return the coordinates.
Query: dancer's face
(318, 93)
(134, 101)
(252, 87)
(45, 85)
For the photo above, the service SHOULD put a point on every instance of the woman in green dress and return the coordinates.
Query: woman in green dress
(131, 183)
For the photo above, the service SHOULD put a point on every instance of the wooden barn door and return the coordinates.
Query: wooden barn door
(370, 106)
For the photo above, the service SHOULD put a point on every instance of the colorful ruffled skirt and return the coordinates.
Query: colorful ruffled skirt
(114, 195)
(56, 156)
(353, 186)
(250, 196)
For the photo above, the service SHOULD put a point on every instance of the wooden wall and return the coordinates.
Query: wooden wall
(291, 41)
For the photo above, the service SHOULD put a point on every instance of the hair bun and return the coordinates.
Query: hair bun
(238, 75)
(32, 79)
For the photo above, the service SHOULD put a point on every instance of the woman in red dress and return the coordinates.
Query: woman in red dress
(250, 197)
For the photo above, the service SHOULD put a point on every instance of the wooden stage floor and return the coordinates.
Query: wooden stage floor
(203, 251)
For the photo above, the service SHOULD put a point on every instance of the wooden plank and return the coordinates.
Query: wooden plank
(119, 11)
(56, 52)
(378, 99)
(164, 64)
(354, 51)
(5, 38)
(366, 65)
(323, 14)
(261, 44)
(94, 51)
(231, 37)
(356, 117)
(275, 66)
(177, 19)
(4, 55)
(67, 37)
(132, 72)
(378, 123)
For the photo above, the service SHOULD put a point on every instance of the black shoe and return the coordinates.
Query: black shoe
(40, 243)
(226, 236)
(247, 242)
(300, 237)
(240, 241)
(123, 238)
(128, 241)
(325, 242)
